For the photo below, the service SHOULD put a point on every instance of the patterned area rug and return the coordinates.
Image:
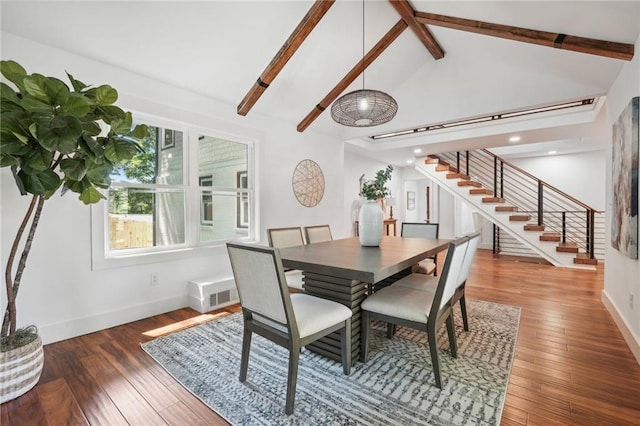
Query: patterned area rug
(395, 387)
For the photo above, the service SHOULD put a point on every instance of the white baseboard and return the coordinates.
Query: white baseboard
(632, 340)
(77, 327)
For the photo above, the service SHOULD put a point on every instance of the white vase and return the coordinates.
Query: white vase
(370, 222)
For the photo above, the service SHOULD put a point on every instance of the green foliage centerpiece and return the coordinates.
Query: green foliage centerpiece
(53, 137)
(371, 217)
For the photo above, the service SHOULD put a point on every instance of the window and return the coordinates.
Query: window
(188, 188)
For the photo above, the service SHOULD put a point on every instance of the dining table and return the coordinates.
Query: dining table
(345, 271)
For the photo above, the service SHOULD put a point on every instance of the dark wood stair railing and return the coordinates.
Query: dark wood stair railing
(565, 219)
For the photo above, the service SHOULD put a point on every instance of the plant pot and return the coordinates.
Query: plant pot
(20, 369)
(370, 222)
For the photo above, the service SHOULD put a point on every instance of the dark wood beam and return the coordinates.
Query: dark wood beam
(375, 51)
(591, 46)
(299, 34)
(406, 11)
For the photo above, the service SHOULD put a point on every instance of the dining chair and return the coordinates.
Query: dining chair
(317, 234)
(289, 320)
(288, 237)
(418, 309)
(430, 284)
(422, 230)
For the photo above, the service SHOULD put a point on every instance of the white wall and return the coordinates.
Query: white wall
(580, 175)
(61, 294)
(622, 274)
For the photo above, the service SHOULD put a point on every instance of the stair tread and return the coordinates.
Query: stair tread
(584, 259)
(469, 183)
(531, 227)
(492, 200)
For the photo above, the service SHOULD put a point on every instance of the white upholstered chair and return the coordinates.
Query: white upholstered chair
(289, 320)
(422, 230)
(288, 237)
(430, 284)
(317, 234)
(418, 309)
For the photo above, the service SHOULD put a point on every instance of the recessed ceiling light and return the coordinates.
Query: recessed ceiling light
(417, 151)
(552, 152)
(409, 161)
(514, 139)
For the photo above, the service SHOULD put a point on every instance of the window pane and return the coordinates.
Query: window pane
(140, 218)
(221, 224)
(220, 161)
(160, 163)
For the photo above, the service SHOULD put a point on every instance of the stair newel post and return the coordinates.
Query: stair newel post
(590, 233)
(564, 227)
(540, 202)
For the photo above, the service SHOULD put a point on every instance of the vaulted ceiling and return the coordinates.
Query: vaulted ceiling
(220, 48)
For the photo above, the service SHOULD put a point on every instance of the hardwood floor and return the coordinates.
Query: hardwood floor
(572, 365)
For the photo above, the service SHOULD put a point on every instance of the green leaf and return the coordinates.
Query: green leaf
(60, 134)
(13, 146)
(91, 148)
(106, 95)
(7, 160)
(7, 94)
(14, 73)
(140, 131)
(91, 196)
(77, 85)
(109, 113)
(99, 175)
(36, 86)
(34, 105)
(73, 168)
(75, 186)
(40, 183)
(91, 128)
(76, 106)
(122, 126)
(119, 149)
(37, 159)
(57, 91)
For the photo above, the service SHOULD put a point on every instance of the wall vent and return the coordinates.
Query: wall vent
(209, 294)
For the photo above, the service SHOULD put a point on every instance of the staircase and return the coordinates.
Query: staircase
(548, 222)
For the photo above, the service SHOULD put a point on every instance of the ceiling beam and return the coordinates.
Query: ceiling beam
(407, 13)
(299, 34)
(358, 69)
(591, 46)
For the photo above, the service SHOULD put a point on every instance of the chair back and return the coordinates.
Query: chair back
(260, 280)
(317, 234)
(419, 230)
(285, 237)
(449, 277)
(474, 240)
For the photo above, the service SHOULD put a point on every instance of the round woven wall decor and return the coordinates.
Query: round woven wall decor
(308, 183)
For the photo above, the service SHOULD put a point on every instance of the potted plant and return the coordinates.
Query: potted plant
(53, 137)
(371, 217)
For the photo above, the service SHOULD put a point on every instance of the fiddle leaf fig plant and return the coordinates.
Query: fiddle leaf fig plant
(375, 189)
(56, 137)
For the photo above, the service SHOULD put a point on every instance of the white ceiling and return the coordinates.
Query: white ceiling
(219, 48)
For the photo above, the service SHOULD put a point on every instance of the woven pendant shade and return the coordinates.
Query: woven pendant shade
(364, 108)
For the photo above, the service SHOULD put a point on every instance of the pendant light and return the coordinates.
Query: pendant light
(364, 108)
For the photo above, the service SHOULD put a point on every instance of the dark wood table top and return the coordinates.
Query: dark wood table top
(346, 258)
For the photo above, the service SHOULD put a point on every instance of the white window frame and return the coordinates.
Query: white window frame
(103, 257)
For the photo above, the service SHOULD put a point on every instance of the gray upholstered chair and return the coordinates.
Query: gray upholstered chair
(317, 234)
(418, 309)
(422, 230)
(420, 283)
(289, 320)
(288, 237)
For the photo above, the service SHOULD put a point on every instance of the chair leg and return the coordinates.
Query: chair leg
(433, 348)
(244, 360)
(463, 309)
(292, 378)
(345, 337)
(391, 330)
(452, 336)
(364, 336)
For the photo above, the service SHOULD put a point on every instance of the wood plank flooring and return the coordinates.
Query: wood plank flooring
(572, 365)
